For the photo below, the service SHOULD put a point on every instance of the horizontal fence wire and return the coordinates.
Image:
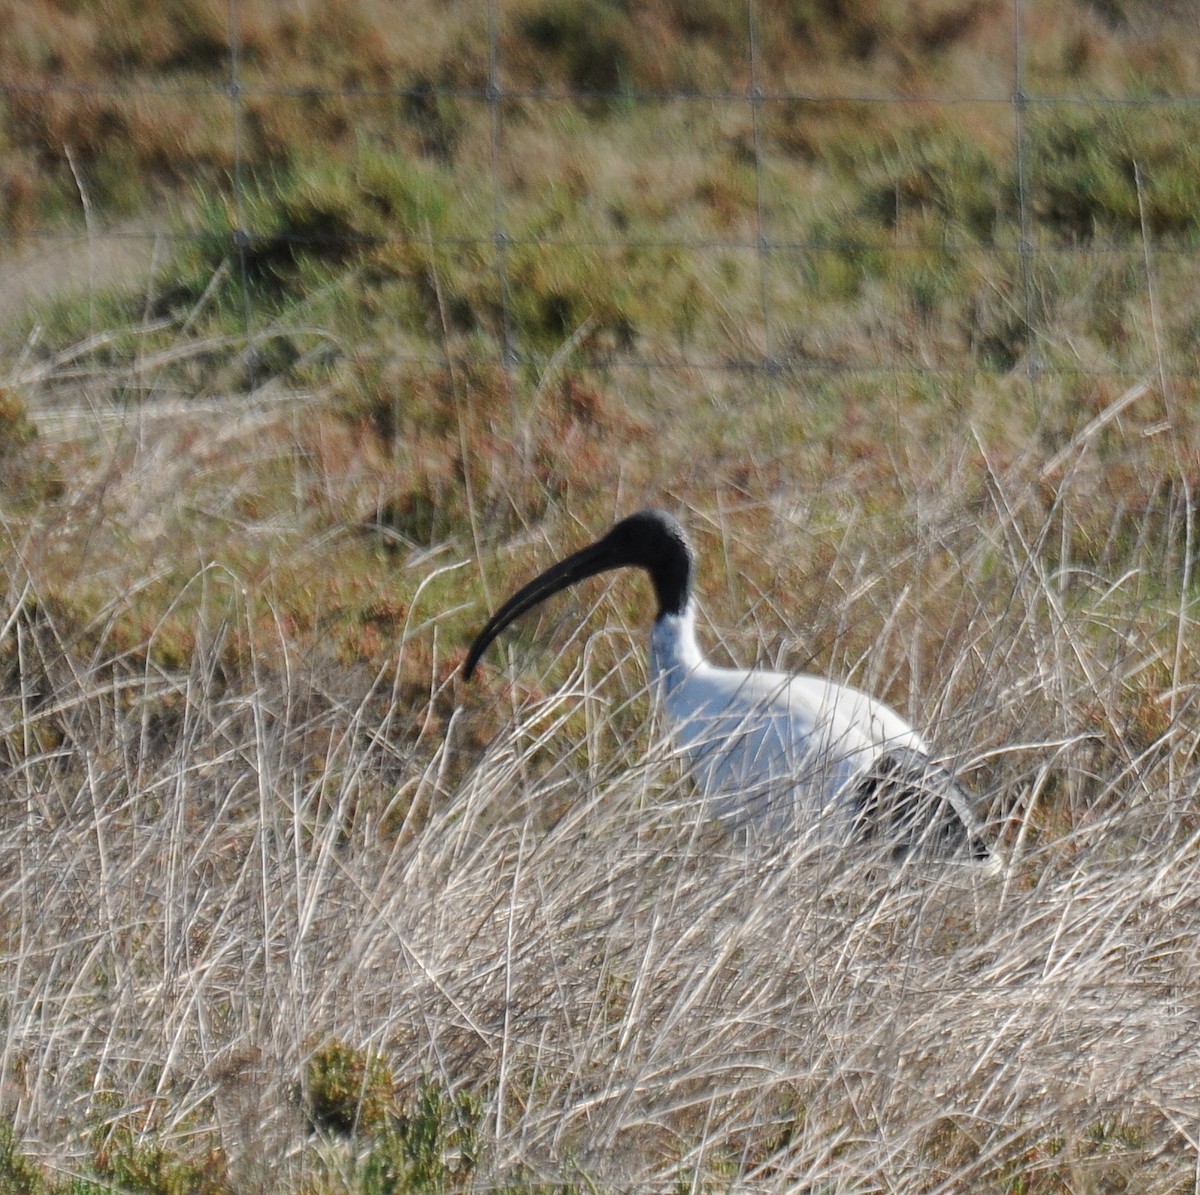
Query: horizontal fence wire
(1018, 252)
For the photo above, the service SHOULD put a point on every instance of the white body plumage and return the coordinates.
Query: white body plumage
(768, 749)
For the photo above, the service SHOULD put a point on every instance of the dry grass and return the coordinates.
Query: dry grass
(251, 825)
(210, 871)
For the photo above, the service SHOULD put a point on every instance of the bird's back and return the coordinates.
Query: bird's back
(777, 750)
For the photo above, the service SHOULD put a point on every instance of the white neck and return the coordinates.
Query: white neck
(674, 652)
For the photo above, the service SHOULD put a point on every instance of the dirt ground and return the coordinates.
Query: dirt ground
(36, 269)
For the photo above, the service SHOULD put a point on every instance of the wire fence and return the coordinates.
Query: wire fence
(1020, 253)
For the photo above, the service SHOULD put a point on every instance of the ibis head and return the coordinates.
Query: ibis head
(651, 539)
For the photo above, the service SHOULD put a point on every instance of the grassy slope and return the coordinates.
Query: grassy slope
(248, 809)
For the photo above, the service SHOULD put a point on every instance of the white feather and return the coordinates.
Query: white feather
(768, 750)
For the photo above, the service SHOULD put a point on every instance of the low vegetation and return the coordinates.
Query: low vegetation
(431, 294)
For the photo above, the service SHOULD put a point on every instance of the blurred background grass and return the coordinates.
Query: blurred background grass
(502, 262)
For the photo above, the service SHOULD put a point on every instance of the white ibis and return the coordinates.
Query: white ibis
(770, 751)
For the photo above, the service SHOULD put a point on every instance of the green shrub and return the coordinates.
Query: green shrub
(346, 1091)
(18, 1176)
(431, 1148)
(591, 42)
(1115, 172)
(146, 1167)
(942, 174)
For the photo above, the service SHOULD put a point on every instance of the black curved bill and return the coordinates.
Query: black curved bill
(587, 562)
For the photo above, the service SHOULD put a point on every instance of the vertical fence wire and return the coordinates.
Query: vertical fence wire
(510, 354)
(774, 253)
(762, 243)
(1025, 243)
(241, 235)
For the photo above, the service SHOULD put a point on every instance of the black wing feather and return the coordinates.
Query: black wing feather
(910, 802)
